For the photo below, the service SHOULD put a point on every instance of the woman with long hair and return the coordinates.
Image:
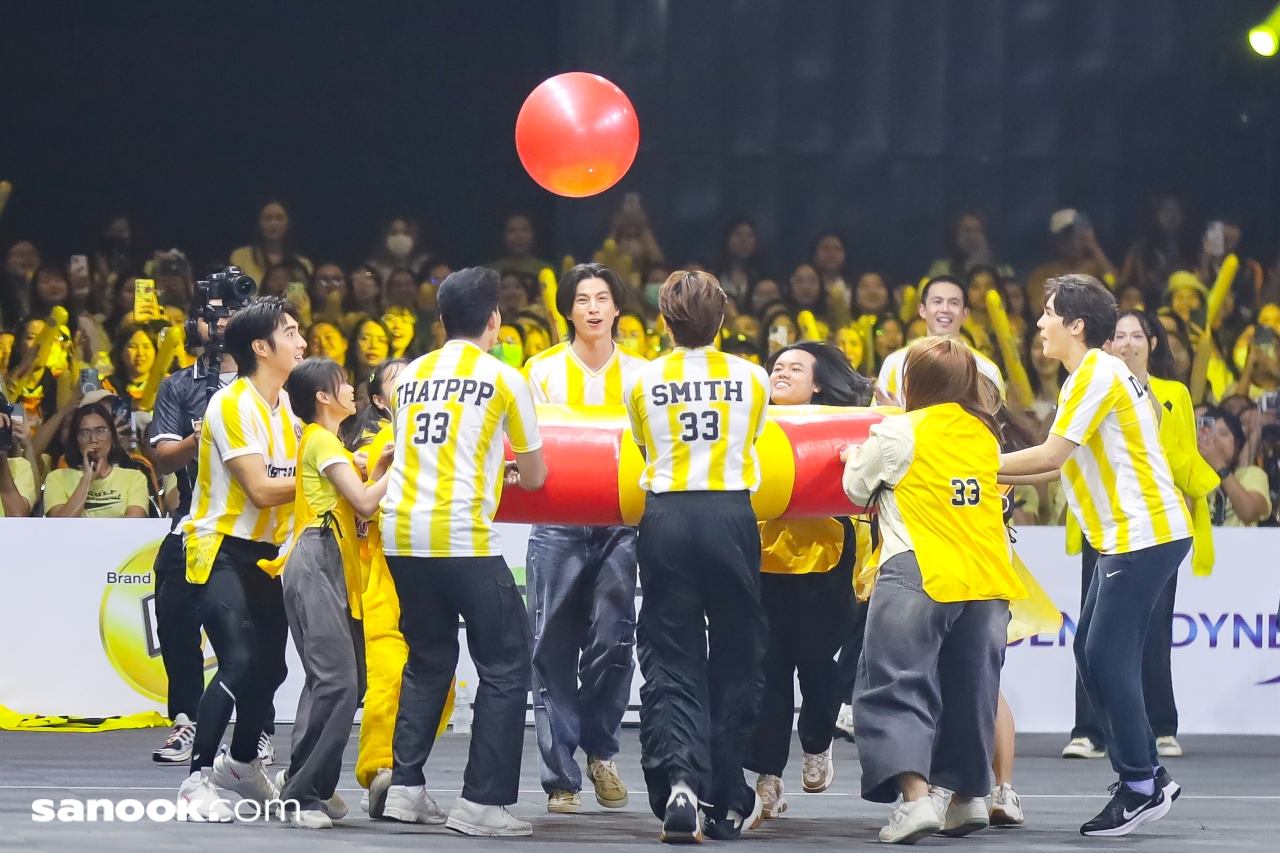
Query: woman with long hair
(937, 620)
(806, 587)
(96, 482)
(271, 246)
(323, 587)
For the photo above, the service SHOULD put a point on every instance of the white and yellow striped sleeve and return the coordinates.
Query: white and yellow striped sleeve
(636, 413)
(234, 434)
(761, 395)
(1084, 402)
(522, 419)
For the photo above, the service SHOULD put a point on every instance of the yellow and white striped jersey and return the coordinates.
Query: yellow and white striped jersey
(448, 411)
(697, 413)
(239, 422)
(558, 376)
(1118, 481)
(890, 380)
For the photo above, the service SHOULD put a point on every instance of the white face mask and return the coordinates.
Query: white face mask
(400, 245)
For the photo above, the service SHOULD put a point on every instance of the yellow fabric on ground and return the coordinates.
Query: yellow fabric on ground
(14, 722)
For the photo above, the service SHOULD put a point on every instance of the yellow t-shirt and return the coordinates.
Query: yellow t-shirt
(800, 546)
(320, 449)
(107, 498)
(24, 480)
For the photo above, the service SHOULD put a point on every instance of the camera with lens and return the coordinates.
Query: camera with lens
(215, 298)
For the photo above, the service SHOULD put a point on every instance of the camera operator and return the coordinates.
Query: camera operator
(175, 436)
(1244, 498)
(18, 492)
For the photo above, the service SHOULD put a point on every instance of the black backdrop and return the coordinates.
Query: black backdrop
(878, 118)
(189, 117)
(881, 119)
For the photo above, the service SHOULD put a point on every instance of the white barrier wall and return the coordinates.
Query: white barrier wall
(77, 628)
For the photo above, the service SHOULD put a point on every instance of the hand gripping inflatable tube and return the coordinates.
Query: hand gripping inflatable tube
(594, 466)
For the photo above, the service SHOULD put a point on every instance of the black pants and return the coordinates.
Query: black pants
(242, 609)
(701, 637)
(178, 628)
(1157, 666)
(433, 593)
(851, 650)
(1109, 642)
(807, 617)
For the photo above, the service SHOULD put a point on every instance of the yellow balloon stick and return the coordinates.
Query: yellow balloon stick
(170, 339)
(1008, 346)
(808, 326)
(910, 303)
(547, 279)
(1221, 285)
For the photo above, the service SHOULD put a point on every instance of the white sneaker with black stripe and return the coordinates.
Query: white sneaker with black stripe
(177, 748)
(266, 749)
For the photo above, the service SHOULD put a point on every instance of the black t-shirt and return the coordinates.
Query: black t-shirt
(180, 402)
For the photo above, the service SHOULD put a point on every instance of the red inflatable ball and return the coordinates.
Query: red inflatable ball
(577, 134)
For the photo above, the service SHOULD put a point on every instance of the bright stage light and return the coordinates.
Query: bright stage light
(1265, 38)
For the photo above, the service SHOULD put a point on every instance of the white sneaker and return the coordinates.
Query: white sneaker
(335, 807)
(773, 798)
(266, 749)
(311, 819)
(911, 821)
(203, 802)
(965, 818)
(1006, 809)
(941, 799)
(248, 779)
(1082, 747)
(819, 772)
(364, 801)
(177, 748)
(844, 723)
(611, 791)
(1168, 747)
(410, 805)
(375, 799)
(491, 821)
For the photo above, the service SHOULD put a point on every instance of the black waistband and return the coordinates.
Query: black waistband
(699, 501)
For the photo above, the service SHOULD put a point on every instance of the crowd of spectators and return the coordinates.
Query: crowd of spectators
(66, 329)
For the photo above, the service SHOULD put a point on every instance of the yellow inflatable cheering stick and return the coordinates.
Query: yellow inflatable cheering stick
(547, 279)
(1013, 366)
(911, 302)
(808, 324)
(42, 347)
(1221, 285)
(171, 339)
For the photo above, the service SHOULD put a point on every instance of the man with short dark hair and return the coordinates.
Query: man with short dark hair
(1105, 447)
(582, 580)
(449, 410)
(240, 512)
(944, 307)
(696, 415)
(175, 436)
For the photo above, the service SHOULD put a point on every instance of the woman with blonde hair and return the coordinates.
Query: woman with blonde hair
(936, 623)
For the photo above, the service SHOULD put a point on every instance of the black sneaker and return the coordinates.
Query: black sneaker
(682, 823)
(1127, 811)
(1165, 783)
(730, 827)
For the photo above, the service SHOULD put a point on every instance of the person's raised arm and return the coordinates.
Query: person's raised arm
(73, 505)
(264, 492)
(15, 505)
(1040, 463)
(364, 499)
(172, 451)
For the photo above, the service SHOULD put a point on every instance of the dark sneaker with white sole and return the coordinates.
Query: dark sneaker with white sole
(731, 826)
(1165, 783)
(682, 823)
(1128, 810)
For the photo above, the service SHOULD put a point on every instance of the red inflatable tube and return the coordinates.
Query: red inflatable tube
(594, 466)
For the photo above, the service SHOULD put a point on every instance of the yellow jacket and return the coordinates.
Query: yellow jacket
(1191, 474)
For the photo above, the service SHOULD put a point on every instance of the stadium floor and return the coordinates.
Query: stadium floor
(1231, 801)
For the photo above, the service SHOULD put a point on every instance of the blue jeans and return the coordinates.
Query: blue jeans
(581, 584)
(1109, 642)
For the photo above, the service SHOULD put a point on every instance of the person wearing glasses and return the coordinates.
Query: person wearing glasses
(96, 484)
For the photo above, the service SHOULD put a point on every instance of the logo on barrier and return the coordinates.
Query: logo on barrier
(127, 625)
